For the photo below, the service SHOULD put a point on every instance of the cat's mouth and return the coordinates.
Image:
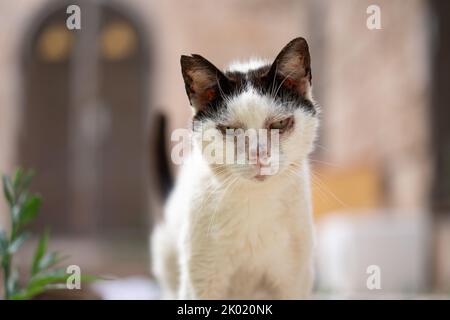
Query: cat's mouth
(263, 172)
(260, 177)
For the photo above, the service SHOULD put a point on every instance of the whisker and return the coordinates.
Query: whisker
(274, 77)
(324, 162)
(324, 186)
(229, 183)
(285, 78)
(222, 94)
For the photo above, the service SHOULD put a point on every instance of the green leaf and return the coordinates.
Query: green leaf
(39, 253)
(12, 282)
(3, 242)
(29, 210)
(15, 245)
(17, 178)
(90, 278)
(48, 282)
(15, 214)
(26, 180)
(57, 286)
(50, 260)
(54, 279)
(8, 190)
(22, 197)
(27, 293)
(49, 277)
(57, 276)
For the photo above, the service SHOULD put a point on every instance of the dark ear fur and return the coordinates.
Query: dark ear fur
(293, 66)
(201, 79)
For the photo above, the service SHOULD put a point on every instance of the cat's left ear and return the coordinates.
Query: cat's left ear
(293, 67)
(202, 80)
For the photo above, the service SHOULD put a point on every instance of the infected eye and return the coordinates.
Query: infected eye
(282, 124)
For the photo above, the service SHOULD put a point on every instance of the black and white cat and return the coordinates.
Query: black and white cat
(229, 231)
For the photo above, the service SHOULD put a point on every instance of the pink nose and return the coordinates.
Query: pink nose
(261, 162)
(260, 155)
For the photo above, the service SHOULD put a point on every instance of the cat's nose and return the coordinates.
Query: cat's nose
(259, 160)
(260, 155)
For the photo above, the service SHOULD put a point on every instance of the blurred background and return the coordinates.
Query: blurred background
(92, 110)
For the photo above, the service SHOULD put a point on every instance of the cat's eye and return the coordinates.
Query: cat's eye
(282, 124)
(227, 129)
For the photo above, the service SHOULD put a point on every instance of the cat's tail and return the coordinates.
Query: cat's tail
(162, 251)
(161, 177)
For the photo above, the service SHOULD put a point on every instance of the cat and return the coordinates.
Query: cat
(230, 232)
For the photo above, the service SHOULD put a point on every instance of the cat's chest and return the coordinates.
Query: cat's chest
(253, 210)
(254, 224)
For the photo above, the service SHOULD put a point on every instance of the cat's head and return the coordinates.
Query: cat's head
(272, 100)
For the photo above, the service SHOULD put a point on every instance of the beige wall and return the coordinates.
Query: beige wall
(376, 100)
(372, 85)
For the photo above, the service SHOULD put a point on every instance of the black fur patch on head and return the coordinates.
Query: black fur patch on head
(287, 80)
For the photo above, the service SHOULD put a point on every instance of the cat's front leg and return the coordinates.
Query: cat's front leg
(293, 279)
(204, 277)
(296, 286)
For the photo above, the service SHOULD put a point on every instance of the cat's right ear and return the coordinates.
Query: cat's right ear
(293, 66)
(201, 79)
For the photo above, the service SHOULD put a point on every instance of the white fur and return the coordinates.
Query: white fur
(252, 64)
(225, 238)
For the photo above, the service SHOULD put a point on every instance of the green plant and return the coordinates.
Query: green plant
(43, 274)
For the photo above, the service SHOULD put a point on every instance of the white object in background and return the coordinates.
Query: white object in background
(132, 288)
(399, 243)
(443, 254)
